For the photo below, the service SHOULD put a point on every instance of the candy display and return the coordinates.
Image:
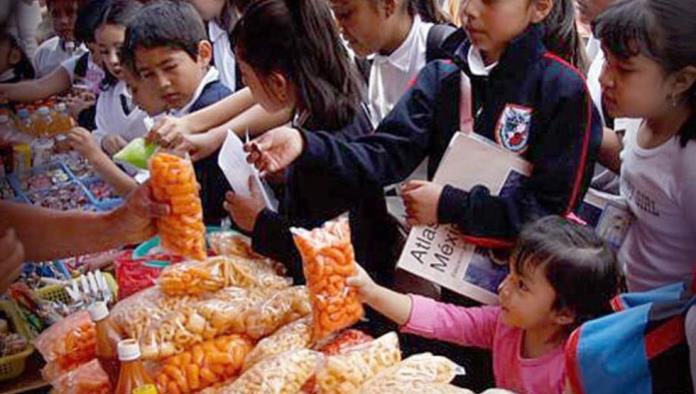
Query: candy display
(101, 190)
(328, 259)
(39, 179)
(173, 182)
(205, 364)
(67, 197)
(6, 190)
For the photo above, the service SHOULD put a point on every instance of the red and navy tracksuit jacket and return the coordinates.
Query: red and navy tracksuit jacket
(532, 103)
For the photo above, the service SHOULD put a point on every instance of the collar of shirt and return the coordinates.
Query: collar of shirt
(402, 56)
(7, 75)
(215, 31)
(476, 64)
(210, 76)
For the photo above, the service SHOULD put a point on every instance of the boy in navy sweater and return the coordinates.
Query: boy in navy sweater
(167, 46)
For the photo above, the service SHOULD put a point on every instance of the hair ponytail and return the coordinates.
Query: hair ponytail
(428, 10)
(561, 35)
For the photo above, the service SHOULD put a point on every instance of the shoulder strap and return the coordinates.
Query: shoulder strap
(82, 65)
(435, 42)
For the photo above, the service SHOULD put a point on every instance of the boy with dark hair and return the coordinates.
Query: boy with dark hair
(166, 45)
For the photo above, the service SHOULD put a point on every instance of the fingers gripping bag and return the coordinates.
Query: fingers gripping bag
(415, 371)
(285, 373)
(215, 273)
(328, 260)
(345, 373)
(173, 182)
(89, 378)
(204, 365)
(295, 335)
(283, 307)
(67, 344)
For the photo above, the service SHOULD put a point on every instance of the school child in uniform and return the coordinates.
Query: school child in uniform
(524, 97)
(15, 66)
(54, 51)
(561, 275)
(167, 47)
(646, 50)
(305, 66)
(396, 52)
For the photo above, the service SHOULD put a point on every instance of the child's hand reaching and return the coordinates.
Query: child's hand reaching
(362, 282)
(81, 140)
(421, 199)
(395, 306)
(113, 143)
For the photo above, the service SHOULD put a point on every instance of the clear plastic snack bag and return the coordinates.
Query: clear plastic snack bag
(328, 260)
(417, 370)
(173, 182)
(89, 378)
(345, 373)
(295, 335)
(285, 373)
(281, 308)
(67, 344)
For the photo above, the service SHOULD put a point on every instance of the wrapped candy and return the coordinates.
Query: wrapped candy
(173, 182)
(204, 365)
(328, 260)
(283, 307)
(296, 335)
(345, 373)
(415, 371)
(285, 373)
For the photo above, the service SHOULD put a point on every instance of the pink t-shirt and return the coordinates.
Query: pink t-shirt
(482, 327)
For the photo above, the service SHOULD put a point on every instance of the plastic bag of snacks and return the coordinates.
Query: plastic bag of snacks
(88, 378)
(282, 374)
(328, 258)
(345, 373)
(232, 244)
(296, 335)
(440, 388)
(226, 311)
(205, 364)
(281, 308)
(344, 341)
(67, 344)
(173, 182)
(133, 275)
(195, 278)
(417, 370)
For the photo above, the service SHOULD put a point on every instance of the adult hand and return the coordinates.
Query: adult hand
(11, 259)
(133, 221)
(421, 199)
(275, 150)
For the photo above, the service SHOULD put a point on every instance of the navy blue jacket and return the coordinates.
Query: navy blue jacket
(212, 180)
(313, 197)
(528, 84)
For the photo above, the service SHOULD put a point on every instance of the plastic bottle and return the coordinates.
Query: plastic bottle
(42, 121)
(23, 122)
(108, 338)
(62, 122)
(133, 379)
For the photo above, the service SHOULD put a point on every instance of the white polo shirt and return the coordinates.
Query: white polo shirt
(391, 75)
(52, 53)
(222, 55)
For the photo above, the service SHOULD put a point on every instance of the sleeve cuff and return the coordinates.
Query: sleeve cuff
(421, 316)
(271, 237)
(268, 224)
(312, 150)
(451, 201)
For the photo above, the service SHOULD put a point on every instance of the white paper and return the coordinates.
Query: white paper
(232, 162)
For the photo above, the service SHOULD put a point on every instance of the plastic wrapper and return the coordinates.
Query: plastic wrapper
(440, 388)
(89, 378)
(67, 344)
(133, 275)
(195, 278)
(343, 341)
(415, 371)
(232, 244)
(173, 182)
(226, 310)
(136, 153)
(285, 373)
(328, 260)
(345, 373)
(296, 335)
(281, 308)
(204, 365)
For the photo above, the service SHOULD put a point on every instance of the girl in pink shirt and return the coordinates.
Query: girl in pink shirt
(561, 275)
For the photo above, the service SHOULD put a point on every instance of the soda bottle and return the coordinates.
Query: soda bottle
(42, 121)
(108, 338)
(133, 379)
(23, 122)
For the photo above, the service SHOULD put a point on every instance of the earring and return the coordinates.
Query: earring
(673, 99)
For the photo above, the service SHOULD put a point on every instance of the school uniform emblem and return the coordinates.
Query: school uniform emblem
(512, 131)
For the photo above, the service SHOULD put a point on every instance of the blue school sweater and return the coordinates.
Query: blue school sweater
(533, 103)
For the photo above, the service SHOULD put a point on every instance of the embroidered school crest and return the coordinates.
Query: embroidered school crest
(512, 131)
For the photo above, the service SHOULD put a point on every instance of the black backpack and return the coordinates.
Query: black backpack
(442, 41)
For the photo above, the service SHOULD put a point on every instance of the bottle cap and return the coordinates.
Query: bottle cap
(128, 350)
(23, 113)
(61, 107)
(98, 311)
(43, 111)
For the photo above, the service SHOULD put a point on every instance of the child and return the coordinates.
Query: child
(304, 66)
(561, 275)
(396, 51)
(167, 47)
(14, 63)
(54, 51)
(525, 98)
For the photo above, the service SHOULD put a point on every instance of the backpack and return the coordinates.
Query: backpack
(441, 42)
(641, 348)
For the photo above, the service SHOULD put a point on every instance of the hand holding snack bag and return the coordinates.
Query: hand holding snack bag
(328, 260)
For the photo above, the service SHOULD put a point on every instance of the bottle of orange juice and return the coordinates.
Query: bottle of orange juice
(42, 121)
(62, 122)
(133, 379)
(108, 338)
